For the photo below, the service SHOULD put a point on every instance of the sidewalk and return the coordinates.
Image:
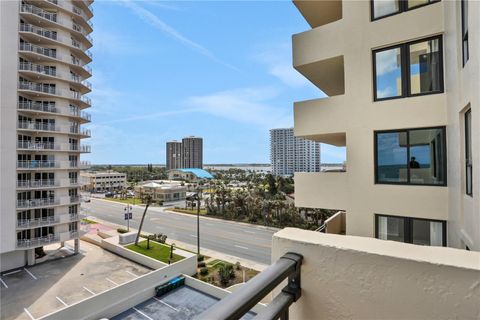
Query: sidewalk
(207, 252)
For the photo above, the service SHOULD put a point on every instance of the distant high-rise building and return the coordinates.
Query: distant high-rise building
(192, 152)
(289, 154)
(44, 63)
(174, 155)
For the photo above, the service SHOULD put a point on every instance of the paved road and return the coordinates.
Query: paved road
(245, 241)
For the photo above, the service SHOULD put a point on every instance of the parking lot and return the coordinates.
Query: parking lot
(32, 292)
(180, 304)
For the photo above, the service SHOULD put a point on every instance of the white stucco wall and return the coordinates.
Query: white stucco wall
(348, 277)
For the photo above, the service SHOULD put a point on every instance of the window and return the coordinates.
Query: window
(411, 156)
(468, 153)
(408, 69)
(411, 230)
(465, 53)
(385, 8)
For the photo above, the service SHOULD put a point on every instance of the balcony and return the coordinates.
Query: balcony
(84, 116)
(28, 8)
(65, 236)
(37, 164)
(48, 89)
(322, 120)
(37, 106)
(36, 184)
(29, 145)
(37, 242)
(37, 126)
(326, 190)
(26, 27)
(74, 199)
(36, 203)
(81, 148)
(37, 68)
(319, 13)
(35, 223)
(80, 131)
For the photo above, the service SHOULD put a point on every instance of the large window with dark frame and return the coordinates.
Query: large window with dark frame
(468, 153)
(465, 51)
(411, 156)
(385, 8)
(408, 69)
(411, 230)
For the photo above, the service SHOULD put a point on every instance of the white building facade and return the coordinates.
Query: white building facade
(44, 57)
(290, 154)
(103, 181)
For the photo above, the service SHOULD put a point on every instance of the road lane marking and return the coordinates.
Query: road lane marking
(241, 247)
(89, 290)
(112, 281)
(143, 314)
(166, 304)
(133, 274)
(209, 224)
(249, 231)
(192, 235)
(31, 274)
(28, 313)
(63, 302)
(3, 283)
(12, 272)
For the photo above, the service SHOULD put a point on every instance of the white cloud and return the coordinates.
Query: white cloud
(248, 105)
(278, 60)
(105, 99)
(387, 92)
(386, 61)
(159, 24)
(113, 44)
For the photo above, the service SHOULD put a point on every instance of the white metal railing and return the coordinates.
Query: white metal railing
(30, 125)
(81, 131)
(37, 106)
(73, 181)
(37, 145)
(39, 87)
(38, 222)
(26, 46)
(36, 183)
(39, 12)
(81, 114)
(26, 27)
(81, 148)
(77, 79)
(55, 2)
(28, 66)
(32, 164)
(74, 199)
(37, 242)
(73, 234)
(32, 203)
(78, 96)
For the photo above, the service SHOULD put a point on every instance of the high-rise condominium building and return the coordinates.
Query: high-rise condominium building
(402, 79)
(192, 152)
(290, 154)
(174, 155)
(44, 57)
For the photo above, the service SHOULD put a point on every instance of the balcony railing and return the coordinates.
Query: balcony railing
(81, 131)
(32, 203)
(81, 148)
(33, 223)
(80, 29)
(37, 145)
(39, 87)
(239, 302)
(37, 106)
(36, 183)
(81, 114)
(74, 199)
(37, 242)
(26, 46)
(78, 96)
(33, 164)
(39, 12)
(28, 66)
(26, 27)
(30, 125)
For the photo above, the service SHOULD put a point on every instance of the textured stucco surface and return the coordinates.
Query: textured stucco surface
(347, 277)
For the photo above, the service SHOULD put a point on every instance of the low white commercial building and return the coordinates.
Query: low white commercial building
(105, 181)
(162, 192)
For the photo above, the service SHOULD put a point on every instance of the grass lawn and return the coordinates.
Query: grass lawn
(213, 277)
(157, 251)
(89, 221)
(126, 201)
(190, 211)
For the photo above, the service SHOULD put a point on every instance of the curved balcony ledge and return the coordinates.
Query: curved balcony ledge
(326, 190)
(318, 13)
(322, 120)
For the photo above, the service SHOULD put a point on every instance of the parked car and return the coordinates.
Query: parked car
(109, 195)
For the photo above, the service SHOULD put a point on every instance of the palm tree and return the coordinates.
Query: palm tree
(147, 200)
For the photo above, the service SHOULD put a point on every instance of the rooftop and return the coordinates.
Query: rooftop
(200, 173)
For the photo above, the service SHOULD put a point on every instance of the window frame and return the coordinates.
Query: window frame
(402, 7)
(407, 131)
(464, 10)
(405, 68)
(408, 227)
(468, 152)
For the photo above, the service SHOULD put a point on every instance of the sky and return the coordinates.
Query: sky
(218, 69)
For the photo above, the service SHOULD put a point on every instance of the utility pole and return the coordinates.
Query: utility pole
(198, 223)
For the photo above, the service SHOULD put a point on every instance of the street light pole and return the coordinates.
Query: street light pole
(198, 225)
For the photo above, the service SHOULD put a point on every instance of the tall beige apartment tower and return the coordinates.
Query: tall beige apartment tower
(192, 152)
(174, 155)
(402, 79)
(44, 57)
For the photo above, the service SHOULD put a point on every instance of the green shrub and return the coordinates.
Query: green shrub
(238, 266)
(203, 271)
(201, 264)
(200, 257)
(121, 230)
(226, 272)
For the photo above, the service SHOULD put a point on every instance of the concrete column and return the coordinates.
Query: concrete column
(30, 257)
(62, 244)
(77, 245)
